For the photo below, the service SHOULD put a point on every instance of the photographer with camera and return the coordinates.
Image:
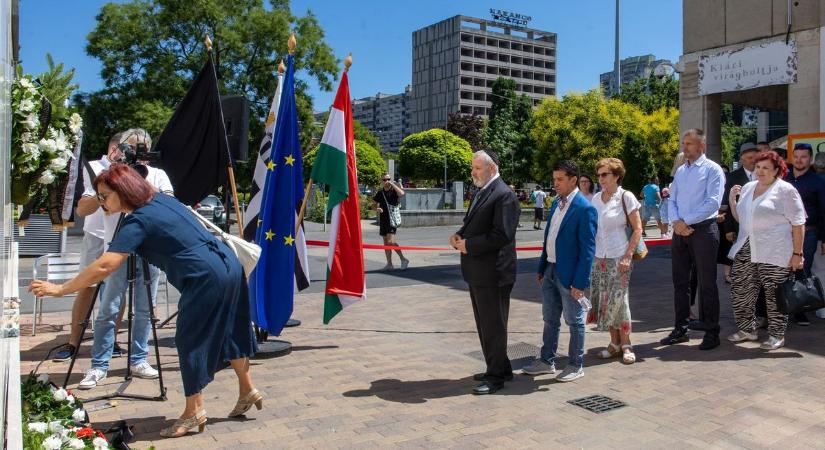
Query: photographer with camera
(93, 238)
(134, 148)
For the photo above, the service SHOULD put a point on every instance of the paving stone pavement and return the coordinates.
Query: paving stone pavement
(395, 371)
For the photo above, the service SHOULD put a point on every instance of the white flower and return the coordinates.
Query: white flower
(48, 145)
(24, 82)
(76, 443)
(52, 443)
(58, 394)
(31, 121)
(58, 163)
(43, 378)
(100, 443)
(79, 415)
(38, 427)
(56, 427)
(26, 137)
(60, 140)
(26, 105)
(48, 178)
(70, 399)
(75, 123)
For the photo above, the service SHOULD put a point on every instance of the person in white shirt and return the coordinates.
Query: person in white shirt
(93, 238)
(114, 289)
(612, 265)
(771, 219)
(539, 197)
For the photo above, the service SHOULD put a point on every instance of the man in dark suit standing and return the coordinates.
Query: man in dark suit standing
(488, 264)
(564, 272)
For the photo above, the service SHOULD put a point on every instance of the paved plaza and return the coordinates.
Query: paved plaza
(396, 371)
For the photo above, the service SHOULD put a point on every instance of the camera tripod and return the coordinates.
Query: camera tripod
(131, 276)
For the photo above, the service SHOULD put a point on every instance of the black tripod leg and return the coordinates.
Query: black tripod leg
(153, 320)
(168, 319)
(131, 277)
(84, 327)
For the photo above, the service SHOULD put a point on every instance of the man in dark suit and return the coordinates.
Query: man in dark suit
(564, 272)
(487, 242)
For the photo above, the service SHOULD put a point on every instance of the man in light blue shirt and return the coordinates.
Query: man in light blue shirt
(695, 197)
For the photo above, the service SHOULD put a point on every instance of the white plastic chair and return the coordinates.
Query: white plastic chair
(54, 268)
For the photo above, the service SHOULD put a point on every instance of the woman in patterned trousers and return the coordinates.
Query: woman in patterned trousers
(614, 255)
(771, 227)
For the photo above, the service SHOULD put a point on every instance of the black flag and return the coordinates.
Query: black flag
(193, 146)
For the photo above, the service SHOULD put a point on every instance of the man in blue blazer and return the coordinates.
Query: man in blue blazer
(564, 272)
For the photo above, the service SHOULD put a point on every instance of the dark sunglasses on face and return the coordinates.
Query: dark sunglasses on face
(603, 174)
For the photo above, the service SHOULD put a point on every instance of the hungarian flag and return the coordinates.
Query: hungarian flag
(335, 167)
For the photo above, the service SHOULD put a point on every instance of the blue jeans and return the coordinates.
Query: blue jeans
(809, 246)
(555, 300)
(113, 293)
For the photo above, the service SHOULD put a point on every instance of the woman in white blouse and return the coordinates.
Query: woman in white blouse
(614, 255)
(771, 227)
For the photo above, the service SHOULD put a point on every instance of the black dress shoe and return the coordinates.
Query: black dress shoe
(709, 342)
(676, 336)
(487, 387)
(483, 376)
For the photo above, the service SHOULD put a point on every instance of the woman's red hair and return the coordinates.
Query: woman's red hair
(134, 191)
(776, 160)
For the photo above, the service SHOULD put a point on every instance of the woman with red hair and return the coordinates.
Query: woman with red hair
(771, 226)
(213, 324)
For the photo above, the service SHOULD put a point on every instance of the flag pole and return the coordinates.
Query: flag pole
(347, 64)
(230, 168)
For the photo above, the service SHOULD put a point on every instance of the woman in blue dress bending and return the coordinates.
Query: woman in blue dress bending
(213, 324)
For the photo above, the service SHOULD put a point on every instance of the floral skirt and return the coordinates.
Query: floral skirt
(609, 295)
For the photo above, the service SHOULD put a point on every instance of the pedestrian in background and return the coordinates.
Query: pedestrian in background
(587, 187)
(389, 195)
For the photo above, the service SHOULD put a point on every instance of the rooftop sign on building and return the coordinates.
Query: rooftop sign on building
(510, 18)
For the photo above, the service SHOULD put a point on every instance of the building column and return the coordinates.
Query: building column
(712, 123)
(804, 104)
(700, 111)
(763, 123)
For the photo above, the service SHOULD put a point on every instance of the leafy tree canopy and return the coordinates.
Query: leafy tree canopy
(151, 51)
(421, 156)
(468, 127)
(651, 93)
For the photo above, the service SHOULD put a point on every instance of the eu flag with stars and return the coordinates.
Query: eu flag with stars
(273, 282)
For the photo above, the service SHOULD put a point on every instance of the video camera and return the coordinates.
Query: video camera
(139, 152)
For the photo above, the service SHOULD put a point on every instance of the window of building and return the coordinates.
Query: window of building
(515, 46)
(466, 80)
(492, 70)
(516, 59)
(504, 71)
(527, 48)
(466, 52)
(466, 38)
(466, 95)
(492, 42)
(473, 25)
(504, 58)
(504, 44)
(515, 73)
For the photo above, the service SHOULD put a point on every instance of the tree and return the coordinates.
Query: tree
(507, 130)
(651, 93)
(368, 161)
(421, 156)
(152, 49)
(468, 127)
(587, 127)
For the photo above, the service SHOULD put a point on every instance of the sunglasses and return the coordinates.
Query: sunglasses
(386, 179)
(102, 196)
(603, 174)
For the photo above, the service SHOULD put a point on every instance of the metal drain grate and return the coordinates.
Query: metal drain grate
(598, 403)
(520, 354)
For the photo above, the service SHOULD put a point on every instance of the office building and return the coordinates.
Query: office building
(456, 61)
(386, 116)
(631, 69)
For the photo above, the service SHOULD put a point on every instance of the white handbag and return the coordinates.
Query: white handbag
(248, 253)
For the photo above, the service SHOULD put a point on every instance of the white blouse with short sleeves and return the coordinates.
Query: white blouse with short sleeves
(611, 237)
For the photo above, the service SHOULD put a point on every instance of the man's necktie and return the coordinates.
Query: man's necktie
(562, 202)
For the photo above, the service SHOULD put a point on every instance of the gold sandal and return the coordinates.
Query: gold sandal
(611, 351)
(254, 397)
(198, 420)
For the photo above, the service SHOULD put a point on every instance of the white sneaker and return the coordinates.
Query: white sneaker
(539, 367)
(772, 343)
(741, 336)
(404, 264)
(570, 373)
(387, 268)
(143, 370)
(93, 376)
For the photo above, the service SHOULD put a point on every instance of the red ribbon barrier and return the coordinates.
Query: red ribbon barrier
(537, 248)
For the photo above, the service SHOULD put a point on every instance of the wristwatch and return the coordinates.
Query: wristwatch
(797, 254)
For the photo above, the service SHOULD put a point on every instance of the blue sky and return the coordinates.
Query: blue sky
(379, 34)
